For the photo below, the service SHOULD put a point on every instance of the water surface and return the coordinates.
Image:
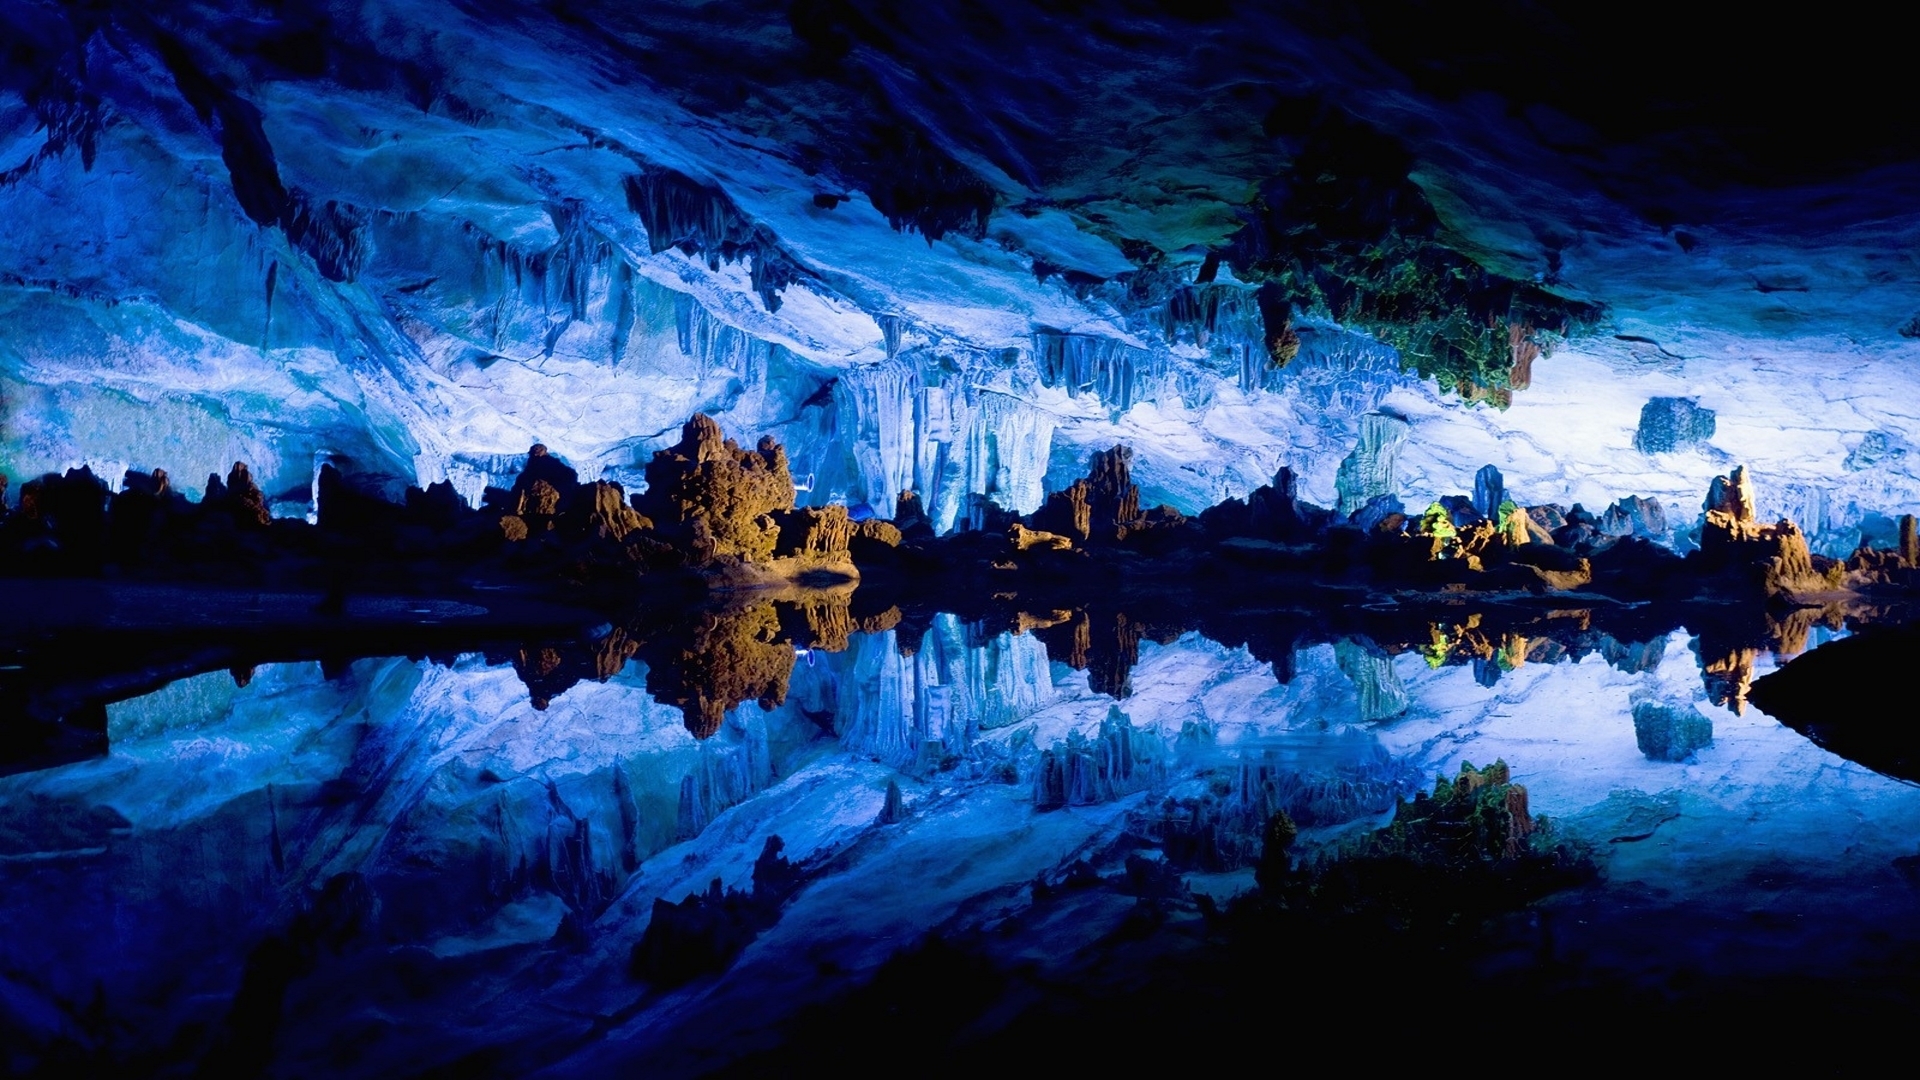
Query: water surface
(404, 864)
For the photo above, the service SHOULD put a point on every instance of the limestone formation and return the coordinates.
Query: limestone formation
(1067, 512)
(1025, 539)
(1113, 497)
(703, 933)
(438, 506)
(1670, 732)
(244, 498)
(1668, 424)
(602, 510)
(1372, 468)
(1728, 675)
(1438, 524)
(821, 621)
(539, 502)
(1635, 516)
(911, 518)
(1105, 644)
(878, 531)
(1513, 524)
(1082, 771)
(1382, 513)
(1272, 511)
(718, 661)
(892, 812)
(69, 509)
(1497, 780)
(813, 532)
(875, 541)
(1524, 351)
(711, 499)
(1102, 507)
(1731, 537)
(1379, 693)
(1732, 497)
(543, 466)
(1489, 491)
(1275, 510)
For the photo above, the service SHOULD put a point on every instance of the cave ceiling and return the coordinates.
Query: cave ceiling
(278, 186)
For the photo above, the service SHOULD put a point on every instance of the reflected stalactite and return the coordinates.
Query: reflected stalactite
(1380, 693)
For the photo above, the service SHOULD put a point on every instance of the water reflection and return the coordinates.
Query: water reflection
(315, 868)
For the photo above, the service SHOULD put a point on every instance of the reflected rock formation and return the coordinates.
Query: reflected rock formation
(711, 663)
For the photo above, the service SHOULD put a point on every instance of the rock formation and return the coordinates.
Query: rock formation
(601, 510)
(1777, 554)
(1728, 674)
(1668, 424)
(813, 532)
(245, 501)
(1118, 761)
(1635, 516)
(892, 812)
(713, 500)
(1489, 491)
(910, 518)
(1102, 507)
(703, 933)
(1105, 644)
(1670, 732)
(1025, 539)
(718, 660)
(1372, 469)
(1272, 511)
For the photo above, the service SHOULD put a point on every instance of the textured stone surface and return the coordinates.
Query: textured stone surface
(1668, 424)
(711, 498)
(1370, 470)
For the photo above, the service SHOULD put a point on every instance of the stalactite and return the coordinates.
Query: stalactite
(1115, 373)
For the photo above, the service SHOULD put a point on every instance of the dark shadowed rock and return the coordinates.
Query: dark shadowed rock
(345, 507)
(911, 518)
(1852, 698)
(437, 507)
(1489, 491)
(892, 812)
(543, 466)
(601, 510)
(244, 499)
(1377, 513)
(703, 933)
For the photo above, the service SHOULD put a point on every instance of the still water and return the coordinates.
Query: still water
(406, 866)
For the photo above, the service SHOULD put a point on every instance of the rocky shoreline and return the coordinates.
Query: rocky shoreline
(717, 581)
